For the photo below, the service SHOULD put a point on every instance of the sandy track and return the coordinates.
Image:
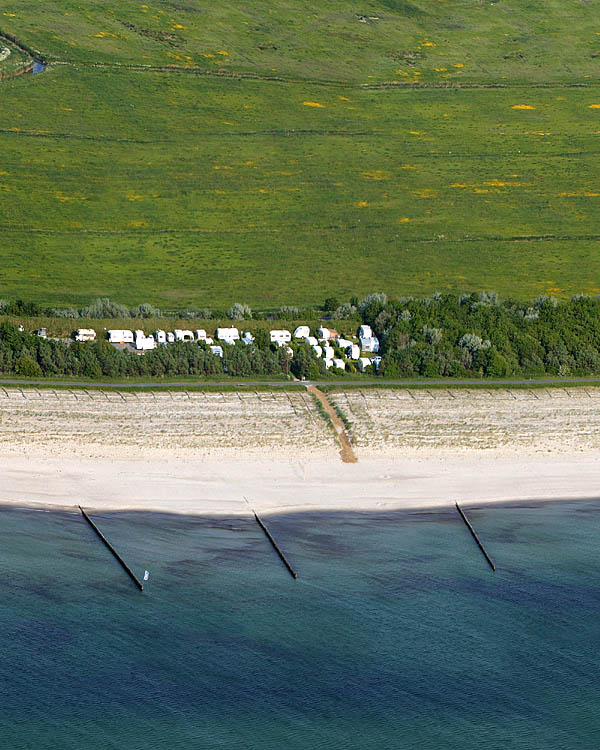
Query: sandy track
(346, 453)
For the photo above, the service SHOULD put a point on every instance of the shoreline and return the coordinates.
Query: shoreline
(300, 510)
(216, 487)
(530, 503)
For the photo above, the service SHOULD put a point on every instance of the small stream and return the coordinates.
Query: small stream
(38, 66)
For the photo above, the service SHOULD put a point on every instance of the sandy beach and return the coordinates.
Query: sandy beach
(222, 453)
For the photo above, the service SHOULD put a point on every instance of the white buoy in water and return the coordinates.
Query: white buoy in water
(146, 575)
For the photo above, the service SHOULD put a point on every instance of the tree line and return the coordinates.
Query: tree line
(32, 356)
(446, 335)
(477, 335)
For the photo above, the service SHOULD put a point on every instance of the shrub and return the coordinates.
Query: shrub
(289, 313)
(64, 312)
(145, 310)
(239, 311)
(498, 367)
(377, 297)
(344, 311)
(20, 307)
(262, 340)
(92, 369)
(474, 343)
(488, 299)
(531, 314)
(104, 308)
(384, 322)
(545, 301)
(433, 336)
(28, 367)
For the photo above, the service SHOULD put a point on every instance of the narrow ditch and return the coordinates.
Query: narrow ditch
(36, 64)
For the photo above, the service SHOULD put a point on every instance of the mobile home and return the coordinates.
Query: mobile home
(85, 334)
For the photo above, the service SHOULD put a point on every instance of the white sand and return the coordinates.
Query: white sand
(205, 453)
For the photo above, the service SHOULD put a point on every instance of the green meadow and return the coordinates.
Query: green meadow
(340, 40)
(193, 186)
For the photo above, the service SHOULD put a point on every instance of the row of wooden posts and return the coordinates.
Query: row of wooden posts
(271, 539)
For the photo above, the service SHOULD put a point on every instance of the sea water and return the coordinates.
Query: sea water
(396, 633)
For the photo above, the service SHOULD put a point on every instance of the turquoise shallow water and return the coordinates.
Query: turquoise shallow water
(395, 635)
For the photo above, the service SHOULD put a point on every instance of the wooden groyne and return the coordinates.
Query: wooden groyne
(475, 537)
(275, 546)
(122, 562)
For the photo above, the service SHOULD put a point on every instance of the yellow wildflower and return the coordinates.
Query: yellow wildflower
(375, 174)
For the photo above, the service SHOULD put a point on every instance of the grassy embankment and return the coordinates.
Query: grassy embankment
(475, 384)
(12, 59)
(190, 189)
(264, 384)
(179, 384)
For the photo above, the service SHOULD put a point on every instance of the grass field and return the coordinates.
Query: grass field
(184, 188)
(341, 40)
